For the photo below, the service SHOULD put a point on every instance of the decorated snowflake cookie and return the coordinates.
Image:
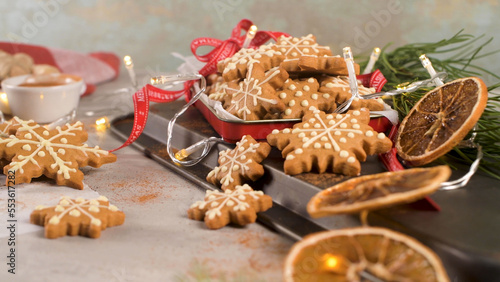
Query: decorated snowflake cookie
(35, 151)
(240, 164)
(77, 217)
(237, 66)
(338, 86)
(293, 48)
(239, 206)
(255, 96)
(329, 142)
(300, 95)
(10, 127)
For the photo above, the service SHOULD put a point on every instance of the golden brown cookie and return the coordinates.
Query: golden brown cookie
(240, 164)
(338, 86)
(329, 142)
(239, 206)
(332, 65)
(237, 66)
(300, 95)
(255, 96)
(58, 154)
(77, 217)
(293, 48)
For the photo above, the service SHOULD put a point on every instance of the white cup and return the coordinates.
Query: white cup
(43, 101)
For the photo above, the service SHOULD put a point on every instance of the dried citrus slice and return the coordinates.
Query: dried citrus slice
(354, 254)
(440, 120)
(375, 191)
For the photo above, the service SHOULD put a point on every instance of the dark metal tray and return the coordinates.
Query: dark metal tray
(464, 233)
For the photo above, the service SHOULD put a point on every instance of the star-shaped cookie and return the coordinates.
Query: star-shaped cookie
(329, 142)
(239, 164)
(239, 206)
(77, 217)
(58, 153)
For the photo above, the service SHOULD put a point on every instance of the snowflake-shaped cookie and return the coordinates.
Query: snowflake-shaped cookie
(295, 47)
(329, 142)
(239, 206)
(35, 151)
(240, 164)
(255, 96)
(10, 127)
(338, 86)
(332, 65)
(300, 95)
(77, 217)
(236, 67)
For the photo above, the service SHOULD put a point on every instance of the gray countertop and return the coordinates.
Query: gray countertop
(157, 242)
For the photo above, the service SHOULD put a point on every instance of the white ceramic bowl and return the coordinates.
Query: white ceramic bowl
(43, 104)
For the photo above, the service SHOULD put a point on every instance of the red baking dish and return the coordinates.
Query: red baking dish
(233, 130)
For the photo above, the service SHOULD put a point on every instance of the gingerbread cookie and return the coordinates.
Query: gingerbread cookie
(240, 164)
(10, 127)
(77, 217)
(35, 151)
(332, 65)
(338, 86)
(293, 48)
(329, 142)
(237, 66)
(300, 95)
(239, 206)
(255, 96)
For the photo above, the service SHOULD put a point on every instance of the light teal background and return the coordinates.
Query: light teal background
(151, 30)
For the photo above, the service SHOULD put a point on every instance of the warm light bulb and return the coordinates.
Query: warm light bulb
(331, 262)
(128, 61)
(102, 124)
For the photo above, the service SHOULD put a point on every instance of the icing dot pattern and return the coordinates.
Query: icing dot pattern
(338, 147)
(60, 152)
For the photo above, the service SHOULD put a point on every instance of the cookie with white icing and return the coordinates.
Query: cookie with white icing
(77, 217)
(255, 96)
(58, 153)
(329, 142)
(240, 164)
(237, 66)
(239, 206)
(338, 87)
(293, 48)
(300, 95)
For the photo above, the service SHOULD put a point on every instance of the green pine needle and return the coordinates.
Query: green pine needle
(456, 56)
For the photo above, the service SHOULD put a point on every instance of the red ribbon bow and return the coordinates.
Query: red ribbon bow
(222, 49)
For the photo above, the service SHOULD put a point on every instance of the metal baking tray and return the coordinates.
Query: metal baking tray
(464, 233)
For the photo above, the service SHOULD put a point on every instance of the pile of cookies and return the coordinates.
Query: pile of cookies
(296, 78)
(21, 64)
(283, 80)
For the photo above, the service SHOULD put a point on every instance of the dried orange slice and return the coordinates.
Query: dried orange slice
(355, 254)
(440, 120)
(375, 191)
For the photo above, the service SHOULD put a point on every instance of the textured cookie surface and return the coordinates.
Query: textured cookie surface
(77, 217)
(239, 206)
(239, 164)
(58, 154)
(329, 142)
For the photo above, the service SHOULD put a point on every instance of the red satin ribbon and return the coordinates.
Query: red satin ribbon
(222, 49)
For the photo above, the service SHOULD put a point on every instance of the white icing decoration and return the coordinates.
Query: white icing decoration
(381, 135)
(351, 160)
(75, 213)
(298, 93)
(344, 154)
(242, 164)
(48, 146)
(369, 133)
(229, 198)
